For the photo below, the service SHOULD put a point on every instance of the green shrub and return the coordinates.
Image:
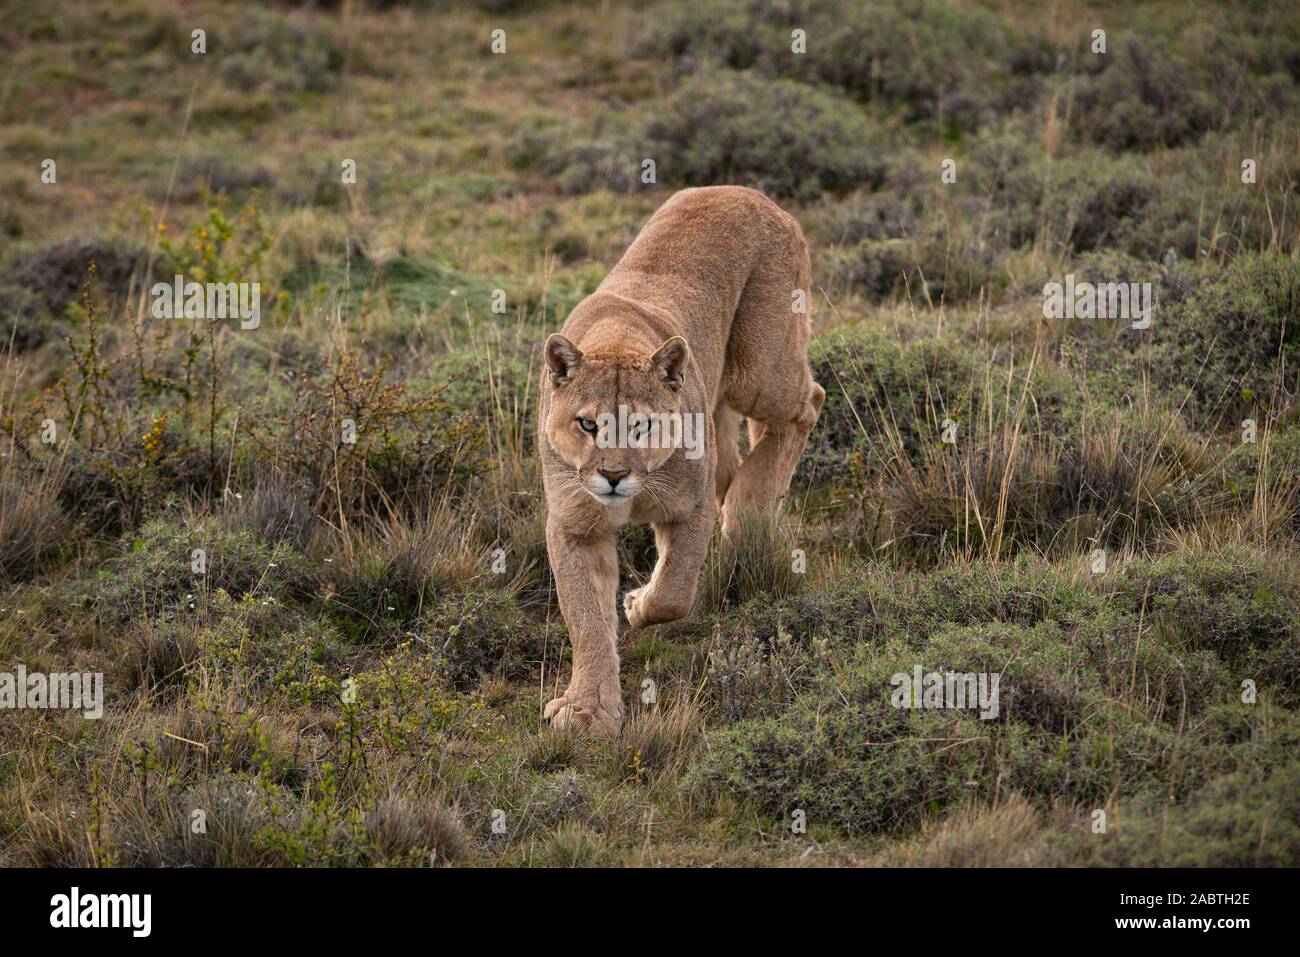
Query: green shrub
(778, 136)
(1096, 697)
(477, 634)
(1236, 604)
(154, 576)
(37, 287)
(927, 57)
(872, 382)
(1242, 326)
(267, 53)
(1243, 819)
(782, 137)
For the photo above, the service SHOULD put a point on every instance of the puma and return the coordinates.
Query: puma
(705, 317)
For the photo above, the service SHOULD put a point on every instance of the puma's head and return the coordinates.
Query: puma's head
(613, 450)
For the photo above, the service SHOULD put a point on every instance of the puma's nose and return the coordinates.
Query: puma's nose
(613, 475)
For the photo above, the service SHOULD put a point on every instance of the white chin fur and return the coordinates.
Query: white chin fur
(621, 497)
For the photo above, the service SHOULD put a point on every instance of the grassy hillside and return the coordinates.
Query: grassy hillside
(351, 678)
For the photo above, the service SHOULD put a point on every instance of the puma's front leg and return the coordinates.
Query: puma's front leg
(670, 593)
(586, 581)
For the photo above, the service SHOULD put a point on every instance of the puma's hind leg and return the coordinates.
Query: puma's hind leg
(763, 478)
(726, 431)
(770, 381)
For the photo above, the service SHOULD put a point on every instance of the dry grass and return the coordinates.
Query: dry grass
(404, 826)
(658, 741)
(1007, 834)
(763, 558)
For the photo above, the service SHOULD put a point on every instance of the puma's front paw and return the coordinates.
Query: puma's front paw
(631, 599)
(645, 607)
(594, 712)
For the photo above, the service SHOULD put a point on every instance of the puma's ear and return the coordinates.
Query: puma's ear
(670, 361)
(561, 356)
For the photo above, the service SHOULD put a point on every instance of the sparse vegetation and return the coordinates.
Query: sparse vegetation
(309, 557)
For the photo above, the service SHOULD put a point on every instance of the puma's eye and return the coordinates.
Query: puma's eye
(587, 426)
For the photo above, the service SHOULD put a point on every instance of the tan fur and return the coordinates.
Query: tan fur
(717, 267)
